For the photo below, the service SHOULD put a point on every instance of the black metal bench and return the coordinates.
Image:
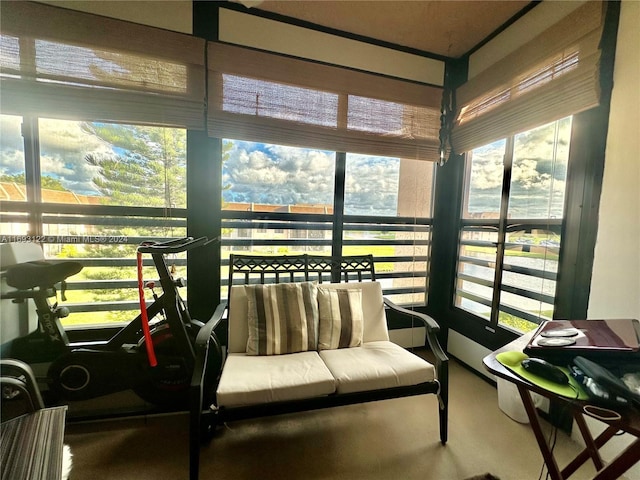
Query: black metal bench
(248, 269)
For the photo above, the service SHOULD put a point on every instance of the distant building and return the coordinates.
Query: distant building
(16, 192)
(277, 233)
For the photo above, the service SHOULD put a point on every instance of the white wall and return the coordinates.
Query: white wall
(249, 30)
(615, 285)
(519, 33)
(173, 15)
(252, 31)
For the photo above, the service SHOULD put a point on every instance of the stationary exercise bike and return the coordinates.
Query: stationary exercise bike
(153, 354)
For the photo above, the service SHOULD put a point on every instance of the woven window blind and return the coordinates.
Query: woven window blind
(66, 64)
(263, 97)
(553, 76)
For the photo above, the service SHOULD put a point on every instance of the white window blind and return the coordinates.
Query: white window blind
(66, 64)
(551, 77)
(264, 97)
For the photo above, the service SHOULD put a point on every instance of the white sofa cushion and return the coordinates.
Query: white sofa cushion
(250, 380)
(376, 365)
(238, 325)
(340, 318)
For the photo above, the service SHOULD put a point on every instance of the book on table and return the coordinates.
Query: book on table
(560, 341)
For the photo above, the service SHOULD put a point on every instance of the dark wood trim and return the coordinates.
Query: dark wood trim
(584, 180)
(205, 18)
(204, 197)
(332, 31)
(204, 194)
(446, 217)
(503, 27)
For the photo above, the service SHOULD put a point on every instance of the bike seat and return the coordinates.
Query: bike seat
(40, 274)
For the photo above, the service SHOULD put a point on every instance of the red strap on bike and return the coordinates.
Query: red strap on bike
(151, 354)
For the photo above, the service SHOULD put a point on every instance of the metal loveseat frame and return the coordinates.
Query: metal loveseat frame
(211, 341)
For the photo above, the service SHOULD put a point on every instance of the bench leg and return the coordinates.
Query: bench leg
(443, 402)
(443, 412)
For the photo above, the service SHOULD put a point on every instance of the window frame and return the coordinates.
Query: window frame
(581, 219)
(335, 223)
(502, 226)
(584, 188)
(38, 216)
(579, 229)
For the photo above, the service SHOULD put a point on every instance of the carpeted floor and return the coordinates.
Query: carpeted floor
(389, 440)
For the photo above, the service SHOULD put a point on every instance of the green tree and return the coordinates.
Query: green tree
(146, 169)
(149, 170)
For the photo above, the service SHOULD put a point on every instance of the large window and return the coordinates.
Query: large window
(93, 144)
(289, 200)
(276, 199)
(388, 210)
(511, 227)
(89, 171)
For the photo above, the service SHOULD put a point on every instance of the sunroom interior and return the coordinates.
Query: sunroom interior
(483, 152)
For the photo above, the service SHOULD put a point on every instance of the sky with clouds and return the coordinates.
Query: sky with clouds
(63, 145)
(282, 175)
(538, 174)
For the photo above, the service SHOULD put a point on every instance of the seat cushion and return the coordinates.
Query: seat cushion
(376, 365)
(340, 318)
(250, 380)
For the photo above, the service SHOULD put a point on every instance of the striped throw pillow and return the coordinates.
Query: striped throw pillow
(340, 318)
(282, 318)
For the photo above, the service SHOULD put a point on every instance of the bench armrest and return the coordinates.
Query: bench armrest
(19, 375)
(206, 345)
(429, 323)
(208, 328)
(206, 372)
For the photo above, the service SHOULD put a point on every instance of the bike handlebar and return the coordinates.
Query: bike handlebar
(173, 246)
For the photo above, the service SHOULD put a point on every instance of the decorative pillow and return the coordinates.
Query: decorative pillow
(282, 318)
(340, 318)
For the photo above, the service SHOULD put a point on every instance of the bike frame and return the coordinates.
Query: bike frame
(129, 338)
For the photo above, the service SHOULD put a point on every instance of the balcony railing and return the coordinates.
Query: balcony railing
(103, 239)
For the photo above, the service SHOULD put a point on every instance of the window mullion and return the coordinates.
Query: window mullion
(32, 177)
(338, 205)
(502, 232)
(339, 183)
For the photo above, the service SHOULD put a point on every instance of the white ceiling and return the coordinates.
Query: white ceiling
(450, 28)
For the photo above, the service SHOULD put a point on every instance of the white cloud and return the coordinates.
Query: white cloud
(279, 173)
